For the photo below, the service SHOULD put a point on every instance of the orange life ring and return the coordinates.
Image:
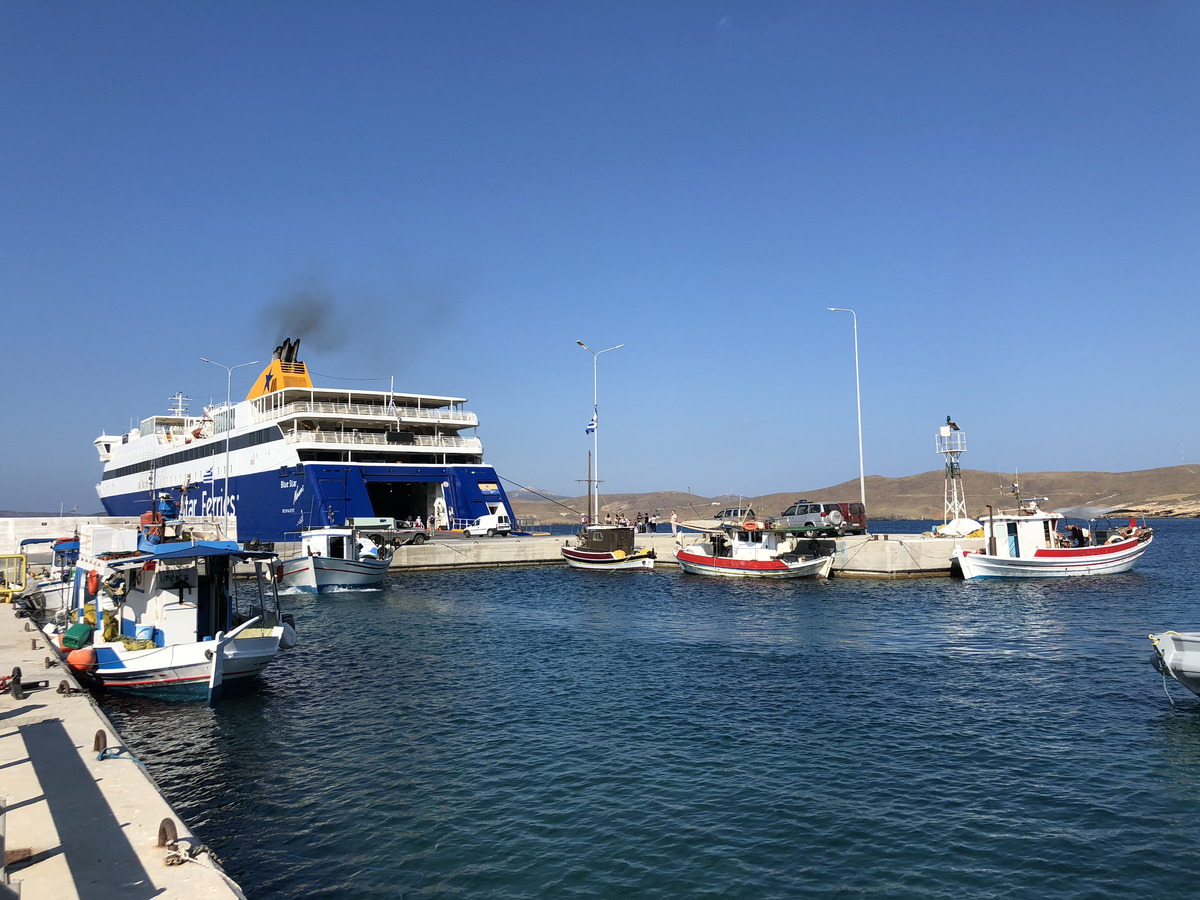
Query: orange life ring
(750, 526)
(93, 582)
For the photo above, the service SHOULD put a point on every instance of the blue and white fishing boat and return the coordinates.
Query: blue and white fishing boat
(155, 611)
(292, 456)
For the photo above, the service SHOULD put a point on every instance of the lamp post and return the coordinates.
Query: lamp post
(862, 478)
(228, 425)
(595, 431)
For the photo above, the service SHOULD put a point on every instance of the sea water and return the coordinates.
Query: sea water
(550, 732)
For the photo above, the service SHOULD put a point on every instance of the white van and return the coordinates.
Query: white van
(491, 525)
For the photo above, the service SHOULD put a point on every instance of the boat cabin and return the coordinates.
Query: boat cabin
(338, 543)
(606, 539)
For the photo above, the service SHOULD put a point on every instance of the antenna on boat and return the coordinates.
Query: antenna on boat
(181, 404)
(952, 443)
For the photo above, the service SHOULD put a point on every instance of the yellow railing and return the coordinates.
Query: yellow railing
(13, 570)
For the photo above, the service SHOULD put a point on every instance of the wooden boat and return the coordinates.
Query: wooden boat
(1025, 543)
(752, 550)
(607, 547)
(155, 611)
(336, 559)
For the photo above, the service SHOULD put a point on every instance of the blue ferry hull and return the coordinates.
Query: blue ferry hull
(269, 505)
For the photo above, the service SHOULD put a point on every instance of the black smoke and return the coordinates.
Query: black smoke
(314, 315)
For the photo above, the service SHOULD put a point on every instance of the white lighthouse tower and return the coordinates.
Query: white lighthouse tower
(951, 443)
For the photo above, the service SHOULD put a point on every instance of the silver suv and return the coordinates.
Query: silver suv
(806, 514)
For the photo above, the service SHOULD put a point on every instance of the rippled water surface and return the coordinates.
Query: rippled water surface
(551, 732)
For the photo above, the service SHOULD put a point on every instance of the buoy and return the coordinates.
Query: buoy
(751, 526)
(83, 659)
(93, 582)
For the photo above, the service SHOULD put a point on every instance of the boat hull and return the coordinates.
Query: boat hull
(608, 560)
(1178, 655)
(700, 564)
(182, 670)
(318, 574)
(1067, 562)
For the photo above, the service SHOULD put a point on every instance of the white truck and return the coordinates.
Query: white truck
(491, 525)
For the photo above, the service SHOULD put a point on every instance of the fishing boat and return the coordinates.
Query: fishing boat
(293, 456)
(751, 549)
(603, 547)
(55, 582)
(154, 610)
(1025, 542)
(608, 547)
(335, 559)
(1178, 655)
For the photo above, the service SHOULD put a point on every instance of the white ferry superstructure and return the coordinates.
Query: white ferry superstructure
(296, 456)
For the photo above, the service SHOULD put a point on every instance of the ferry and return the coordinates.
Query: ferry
(292, 456)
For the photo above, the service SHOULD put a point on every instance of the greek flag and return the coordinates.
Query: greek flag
(591, 426)
(208, 476)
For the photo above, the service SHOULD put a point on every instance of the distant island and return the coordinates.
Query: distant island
(1158, 493)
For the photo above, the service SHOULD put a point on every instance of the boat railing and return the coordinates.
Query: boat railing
(263, 412)
(368, 439)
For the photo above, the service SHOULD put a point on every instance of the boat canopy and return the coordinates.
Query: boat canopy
(192, 550)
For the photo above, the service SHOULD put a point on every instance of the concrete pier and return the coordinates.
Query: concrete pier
(77, 825)
(854, 556)
(858, 556)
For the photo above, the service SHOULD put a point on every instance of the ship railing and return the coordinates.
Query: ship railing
(263, 411)
(360, 439)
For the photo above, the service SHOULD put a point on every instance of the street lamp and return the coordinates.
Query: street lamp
(228, 425)
(862, 478)
(595, 430)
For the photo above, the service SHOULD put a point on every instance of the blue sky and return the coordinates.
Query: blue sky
(1007, 194)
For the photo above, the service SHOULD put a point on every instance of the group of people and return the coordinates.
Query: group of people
(644, 523)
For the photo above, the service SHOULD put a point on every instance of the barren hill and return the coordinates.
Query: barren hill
(1173, 491)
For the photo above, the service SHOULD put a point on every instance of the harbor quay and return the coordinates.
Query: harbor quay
(854, 556)
(82, 818)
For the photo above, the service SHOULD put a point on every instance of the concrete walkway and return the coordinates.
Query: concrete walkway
(76, 826)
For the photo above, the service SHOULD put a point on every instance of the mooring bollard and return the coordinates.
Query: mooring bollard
(167, 833)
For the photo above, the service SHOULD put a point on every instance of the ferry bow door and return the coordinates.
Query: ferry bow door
(332, 491)
(1014, 547)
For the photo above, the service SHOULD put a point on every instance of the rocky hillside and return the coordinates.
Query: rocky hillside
(1166, 492)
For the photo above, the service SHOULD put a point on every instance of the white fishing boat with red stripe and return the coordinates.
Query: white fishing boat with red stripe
(1026, 543)
(752, 550)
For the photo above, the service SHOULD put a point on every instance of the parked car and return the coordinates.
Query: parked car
(387, 530)
(855, 515)
(832, 518)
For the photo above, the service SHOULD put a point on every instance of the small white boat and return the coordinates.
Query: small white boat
(1178, 655)
(157, 612)
(336, 559)
(751, 550)
(1026, 543)
(607, 547)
